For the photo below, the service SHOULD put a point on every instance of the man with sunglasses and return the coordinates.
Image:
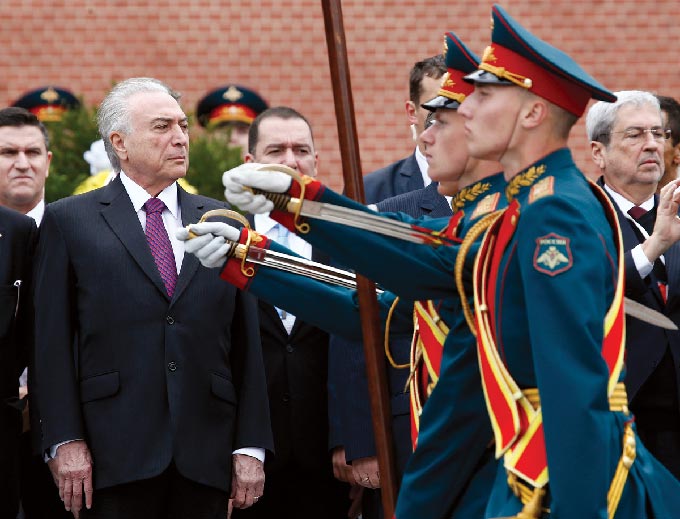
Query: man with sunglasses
(627, 145)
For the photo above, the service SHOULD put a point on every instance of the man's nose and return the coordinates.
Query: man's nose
(652, 143)
(426, 135)
(21, 161)
(289, 158)
(180, 135)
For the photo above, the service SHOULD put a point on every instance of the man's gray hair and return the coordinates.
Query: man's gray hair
(114, 115)
(602, 116)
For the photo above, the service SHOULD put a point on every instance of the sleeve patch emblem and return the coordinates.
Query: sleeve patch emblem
(553, 254)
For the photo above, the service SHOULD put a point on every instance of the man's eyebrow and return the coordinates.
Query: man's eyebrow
(162, 119)
(16, 147)
(274, 145)
(286, 144)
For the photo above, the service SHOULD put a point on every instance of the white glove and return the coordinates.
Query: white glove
(267, 177)
(212, 243)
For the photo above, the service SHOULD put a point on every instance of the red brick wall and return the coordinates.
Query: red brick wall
(278, 47)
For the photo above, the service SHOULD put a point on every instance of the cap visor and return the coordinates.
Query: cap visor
(441, 102)
(486, 78)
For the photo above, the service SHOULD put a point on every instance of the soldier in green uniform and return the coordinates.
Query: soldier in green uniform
(548, 293)
(444, 477)
(548, 288)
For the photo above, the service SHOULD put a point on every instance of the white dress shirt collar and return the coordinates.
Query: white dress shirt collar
(37, 212)
(422, 164)
(264, 223)
(138, 195)
(625, 205)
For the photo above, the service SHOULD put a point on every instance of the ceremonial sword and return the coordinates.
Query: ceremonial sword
(346, 216)
(338, 277)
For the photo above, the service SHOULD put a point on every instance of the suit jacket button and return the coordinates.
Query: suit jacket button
(289, 348)
(285, 397)
(170, 320)
(172, 366)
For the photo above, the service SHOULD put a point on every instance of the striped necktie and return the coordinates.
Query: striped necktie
(159, 242)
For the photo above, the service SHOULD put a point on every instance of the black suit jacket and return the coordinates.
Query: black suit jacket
(17, 241)
(143, 378)
(646, 344)
(399, 177)
(349, 408)
(421, 202)
(296, 367)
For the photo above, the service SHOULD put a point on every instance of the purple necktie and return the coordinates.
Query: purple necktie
(636, 211)
(161, 249)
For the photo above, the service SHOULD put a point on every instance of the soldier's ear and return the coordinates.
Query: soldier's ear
(534, 111)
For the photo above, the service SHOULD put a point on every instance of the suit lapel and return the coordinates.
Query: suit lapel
(672, 256)
(119, 213)
(435, 204)
(192, 209)
(631, 240)
(409, 177)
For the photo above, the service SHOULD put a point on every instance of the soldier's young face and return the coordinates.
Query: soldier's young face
(491, 117)
(155, 152)
(429, 87)
(24, 166)
(238, 135)
(444, 143)
(288, 142)
(634, 161)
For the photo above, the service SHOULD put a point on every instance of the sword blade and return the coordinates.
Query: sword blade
(303, 267)
(371, 222)
(648, 315)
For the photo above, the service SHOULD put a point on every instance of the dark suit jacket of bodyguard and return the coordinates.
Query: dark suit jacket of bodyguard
(421, 202)
(296, 367)
(17, 240)
(400, 177)
(143, 378)
(645, 343)
(349, 408)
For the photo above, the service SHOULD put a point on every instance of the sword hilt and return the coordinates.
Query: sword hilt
(286, 203)
(226, 213)
(280, 200)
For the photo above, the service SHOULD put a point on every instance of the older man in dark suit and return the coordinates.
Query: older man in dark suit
(17, 240)
(150, 383)
(627, 143)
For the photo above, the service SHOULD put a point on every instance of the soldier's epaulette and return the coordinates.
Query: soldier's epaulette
(542, 188)
(486, 205)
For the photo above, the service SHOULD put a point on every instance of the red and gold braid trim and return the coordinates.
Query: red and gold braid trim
(237, 270)
(415, 398)
(433, 332)
(306, 189)
(614, 342)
